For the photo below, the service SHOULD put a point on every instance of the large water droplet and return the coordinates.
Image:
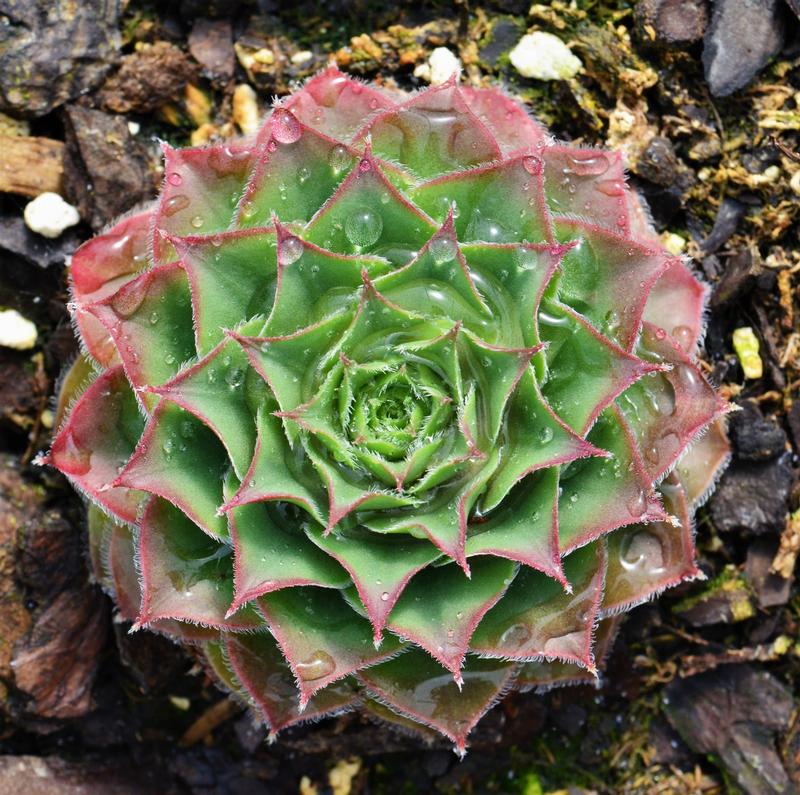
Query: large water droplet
(637, 504)
(545, 434)
(589, 164)
(291, 250)
(642, 552)
(339, 159)
(175, 204)
(532, 164)
(318, 665)
(285, 127)
(73, 458)
(515, 636)
(611, 187)
(363, 228)
(442, 249)
(684, 336)
(175, 179)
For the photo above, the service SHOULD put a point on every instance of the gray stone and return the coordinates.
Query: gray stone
(742, 37)
(53, 51)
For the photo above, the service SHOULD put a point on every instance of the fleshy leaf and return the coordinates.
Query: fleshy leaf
(380, 568)
(271, 553)
(313, 283)
(535, 438)
(150, 321)
(602, 494)
(97, 440)
(704, 462)
(433, 132)
(179, 459)
(668, 410)
(186, 574)
(511, 126)
(201, 190)
(676, 304)
(259, 666)
(586, 371)
(99, 268)
(643, 560)
(587, 183)
(607, 278)
(335, 104)
(537, 618)
(296, 171)
(416, 685)
(440, 607)
(321, 636)
(213, 391)
(499, 203)
(524, 528)
(368, 214)
(232, 276)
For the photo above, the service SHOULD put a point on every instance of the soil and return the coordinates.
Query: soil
(700, 691)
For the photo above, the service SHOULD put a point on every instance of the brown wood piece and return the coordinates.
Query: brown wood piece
(30, 166)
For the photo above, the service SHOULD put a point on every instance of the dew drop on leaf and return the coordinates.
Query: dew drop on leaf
(285, 127)
(291, 250)
(442, 249)
(363, 228)
(318, 665)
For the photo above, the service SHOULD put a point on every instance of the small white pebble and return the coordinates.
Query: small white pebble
(544, 56)
(47, 418)
(134, 127)
(301, 57)
(16, 331)
(673, 243)
(245, 109)
(439, 67)
(49, 215)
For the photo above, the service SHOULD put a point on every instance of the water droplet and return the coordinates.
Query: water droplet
(285, 127)
(363, 228)
(385, 596)
(168, 446)
(515, 636)
(303, 174)
(175, 204)
(526, 258)
(610, 187)
(364, 165)
(532, 164)
(175, 179)
(545, 434)
(684, 336)
(153, 318)
(442, 249)
(291, 250)
(660, 333)
(318, 665)
(637, 504)
(169, 359)
(339, 159)
(197, 221)
(642, 552)
(235, 377)
(589, 164)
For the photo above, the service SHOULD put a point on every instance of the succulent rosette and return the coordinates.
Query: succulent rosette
(389, 407)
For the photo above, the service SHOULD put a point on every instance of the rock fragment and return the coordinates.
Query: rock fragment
(752, 498)
(211, 45)
(672, 22)
(743, 36)
(53, 52)
(733, 713)
(106, 172)
(148, 79)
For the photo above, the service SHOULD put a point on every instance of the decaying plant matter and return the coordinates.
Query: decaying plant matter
(389, 406)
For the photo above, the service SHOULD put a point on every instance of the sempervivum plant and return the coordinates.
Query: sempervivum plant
(389, 406)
